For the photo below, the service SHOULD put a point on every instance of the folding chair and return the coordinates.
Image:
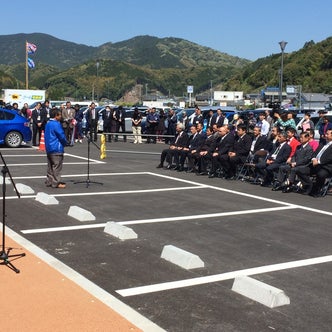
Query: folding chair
(247, 170)
(327, 187)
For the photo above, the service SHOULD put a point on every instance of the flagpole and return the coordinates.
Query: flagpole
(26, 66)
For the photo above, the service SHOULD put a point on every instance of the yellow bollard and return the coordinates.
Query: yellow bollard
(103, 147)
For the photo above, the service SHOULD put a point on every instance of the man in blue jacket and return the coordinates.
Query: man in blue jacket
(55, 141)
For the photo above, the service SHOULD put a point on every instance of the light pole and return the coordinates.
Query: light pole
(97, 90)
(282, 47)
(211, 93)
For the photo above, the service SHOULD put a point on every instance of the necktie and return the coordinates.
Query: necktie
(178, 138)
(275, 153)
(321, 152)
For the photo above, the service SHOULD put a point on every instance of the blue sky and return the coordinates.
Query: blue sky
(249, 29)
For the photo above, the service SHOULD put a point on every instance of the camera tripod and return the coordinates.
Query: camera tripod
(88, 181)
(5, 255)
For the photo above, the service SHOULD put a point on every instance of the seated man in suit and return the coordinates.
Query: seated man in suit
(238, 154)
(179, 142)
(301, 158)
(204, 153)
(321, 167)
(224, 145)
(258, 143)
(279, 156)
(194, 143)
(258, 152)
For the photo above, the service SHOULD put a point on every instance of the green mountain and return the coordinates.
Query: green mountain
(310, 67)
(69, 69)
(148, 63)
(147, 51)
(158, 53)
(50, 50)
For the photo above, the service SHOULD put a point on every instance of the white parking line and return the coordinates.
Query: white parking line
(155, 220)
(124, 192)
(44, 156)
(133, 152)
(239, 193)
(60, 229)
(225, 190)
(44, 164)
(22, 155)
(79, 175)
(221, 277)
(84, 158)
(204, 216)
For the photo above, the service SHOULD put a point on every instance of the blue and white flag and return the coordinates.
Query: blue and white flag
(31, 63)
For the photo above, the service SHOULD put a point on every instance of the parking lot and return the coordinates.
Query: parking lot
(283, 240)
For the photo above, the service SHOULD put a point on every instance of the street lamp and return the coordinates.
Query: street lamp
(97, 90)
(211, 92)
(282, 47)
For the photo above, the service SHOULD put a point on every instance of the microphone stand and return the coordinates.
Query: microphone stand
(4, 255)
(88, 181)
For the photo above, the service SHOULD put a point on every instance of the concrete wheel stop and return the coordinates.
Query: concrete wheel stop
(258, 291)
(46, 199)
(182, 258)
(80, 214)
(119, 231)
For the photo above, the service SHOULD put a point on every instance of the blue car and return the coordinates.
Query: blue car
(14, 128)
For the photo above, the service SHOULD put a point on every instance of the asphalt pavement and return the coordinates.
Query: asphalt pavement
(234, 227)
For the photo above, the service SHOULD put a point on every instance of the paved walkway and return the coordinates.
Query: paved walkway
(40, 298)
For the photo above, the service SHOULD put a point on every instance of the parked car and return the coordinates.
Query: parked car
(316, 119)
(14, 128)
(245, 114)
(228, 111)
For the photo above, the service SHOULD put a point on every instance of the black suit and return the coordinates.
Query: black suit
(108, 123)
(268, 170)
(260, 144)
(302, 158)
(178, 143)
(121, 123)
(241, 149)
(224, 145)
(322, 171)
(195, 141)
(198, 119)
(208, 146)
(92, 119)
(39, 119)
(218, 120)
